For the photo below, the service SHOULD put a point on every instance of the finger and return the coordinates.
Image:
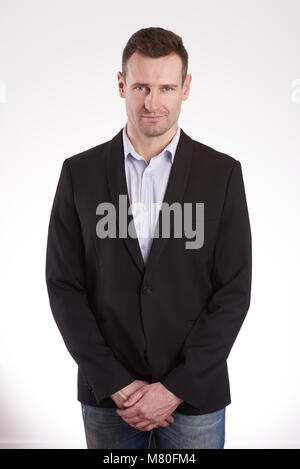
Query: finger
(130, 402)
(164, 423)
(128, 413)
(138, 423)
(134, 420)
(148, 427)
(133, 398)
(170, 419)
(141, 425)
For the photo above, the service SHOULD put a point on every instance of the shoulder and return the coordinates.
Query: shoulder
(211, 160)
(212, 154)
(89, 157)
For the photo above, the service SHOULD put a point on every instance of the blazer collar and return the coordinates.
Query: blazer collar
(170, 148)
(116, 176)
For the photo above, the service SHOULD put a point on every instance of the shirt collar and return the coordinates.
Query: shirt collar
(170, 148)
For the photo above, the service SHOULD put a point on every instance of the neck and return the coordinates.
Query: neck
(146, 146)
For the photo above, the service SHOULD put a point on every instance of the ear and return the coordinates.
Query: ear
(186, 87)
(121, 85)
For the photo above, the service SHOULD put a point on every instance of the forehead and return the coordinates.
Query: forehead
(141, 68)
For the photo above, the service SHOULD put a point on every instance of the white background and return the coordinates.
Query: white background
(58, 97)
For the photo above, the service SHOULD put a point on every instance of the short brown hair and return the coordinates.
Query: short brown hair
(155, 42)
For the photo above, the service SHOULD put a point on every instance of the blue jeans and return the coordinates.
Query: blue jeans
(104, 428)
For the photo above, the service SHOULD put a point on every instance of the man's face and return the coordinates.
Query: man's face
(153, 92)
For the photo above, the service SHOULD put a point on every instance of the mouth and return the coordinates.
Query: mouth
(152, 118)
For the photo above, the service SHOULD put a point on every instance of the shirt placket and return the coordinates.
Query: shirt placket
(145, 200)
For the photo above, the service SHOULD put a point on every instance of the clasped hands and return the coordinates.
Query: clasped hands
(145, 406)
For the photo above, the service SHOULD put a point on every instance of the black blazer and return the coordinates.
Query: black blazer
(173, 320)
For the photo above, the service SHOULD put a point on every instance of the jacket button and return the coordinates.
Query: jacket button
(147, 290)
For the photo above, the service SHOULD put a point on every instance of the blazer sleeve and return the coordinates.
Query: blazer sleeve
(209, 342)
(65, 279)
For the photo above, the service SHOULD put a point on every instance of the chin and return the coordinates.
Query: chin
(154, 131)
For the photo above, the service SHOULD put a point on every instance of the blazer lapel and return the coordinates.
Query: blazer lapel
(116, 175)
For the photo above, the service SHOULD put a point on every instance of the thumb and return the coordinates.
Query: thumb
(132, 399)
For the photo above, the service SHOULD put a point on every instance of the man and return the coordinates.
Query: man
(150, 317)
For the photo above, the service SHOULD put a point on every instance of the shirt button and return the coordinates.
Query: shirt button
(147, 290)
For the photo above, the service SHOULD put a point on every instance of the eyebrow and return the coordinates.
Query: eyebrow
(147, 84)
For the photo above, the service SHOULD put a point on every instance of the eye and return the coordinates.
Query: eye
(139, 88)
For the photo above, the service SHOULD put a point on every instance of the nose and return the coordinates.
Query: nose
(152, 101)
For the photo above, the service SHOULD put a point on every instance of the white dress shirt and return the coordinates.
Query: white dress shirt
(147, 184)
